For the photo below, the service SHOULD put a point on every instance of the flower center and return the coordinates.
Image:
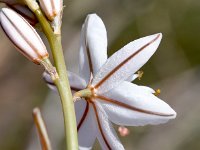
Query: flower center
(88, 94)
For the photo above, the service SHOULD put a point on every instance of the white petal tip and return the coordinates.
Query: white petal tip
(93, 15)
(158, 36)
(173, 114)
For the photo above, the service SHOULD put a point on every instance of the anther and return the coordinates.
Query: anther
(157, 92)
(140, 74)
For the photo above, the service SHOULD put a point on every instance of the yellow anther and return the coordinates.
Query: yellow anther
(140, 74)
(157, 92)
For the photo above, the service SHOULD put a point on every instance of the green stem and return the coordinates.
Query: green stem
(62, 82)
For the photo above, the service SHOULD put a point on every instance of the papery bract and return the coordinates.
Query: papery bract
(23, 35)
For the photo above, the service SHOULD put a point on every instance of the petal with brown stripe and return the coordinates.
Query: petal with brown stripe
(133, 105)
(85, 124)
(106, 134)
(125, 62)
(93, 50)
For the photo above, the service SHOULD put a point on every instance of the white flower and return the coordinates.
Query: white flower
(109, 96)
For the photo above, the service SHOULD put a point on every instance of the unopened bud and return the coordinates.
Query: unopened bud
(25, 12)
(51, 8)
(23, 35)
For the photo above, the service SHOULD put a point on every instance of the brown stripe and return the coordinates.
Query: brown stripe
(89, 59)
(84, 116)
(22, 35)
(88, 50)
(132, 107)
(124, 62)
(18, 48)
(53, 7)
(99, 125)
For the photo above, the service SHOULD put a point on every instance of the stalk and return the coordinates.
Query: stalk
(61, 82)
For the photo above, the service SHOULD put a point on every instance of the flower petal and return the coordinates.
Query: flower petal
(49, 81)
(132, 77)
(96, 37)
(76, 83)
(93, 50)
(85, 125)
(106, 134)
(84, 69)
(133, 105)
(122, 64)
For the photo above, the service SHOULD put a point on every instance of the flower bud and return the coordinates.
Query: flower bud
(23, 35)
(51, 8)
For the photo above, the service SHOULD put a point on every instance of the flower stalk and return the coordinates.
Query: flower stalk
(40, 125)
(62, 82)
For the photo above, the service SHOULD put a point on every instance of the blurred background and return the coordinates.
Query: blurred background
(175, 69)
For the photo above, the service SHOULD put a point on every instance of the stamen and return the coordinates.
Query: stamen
(157, 92)
(140, 74)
